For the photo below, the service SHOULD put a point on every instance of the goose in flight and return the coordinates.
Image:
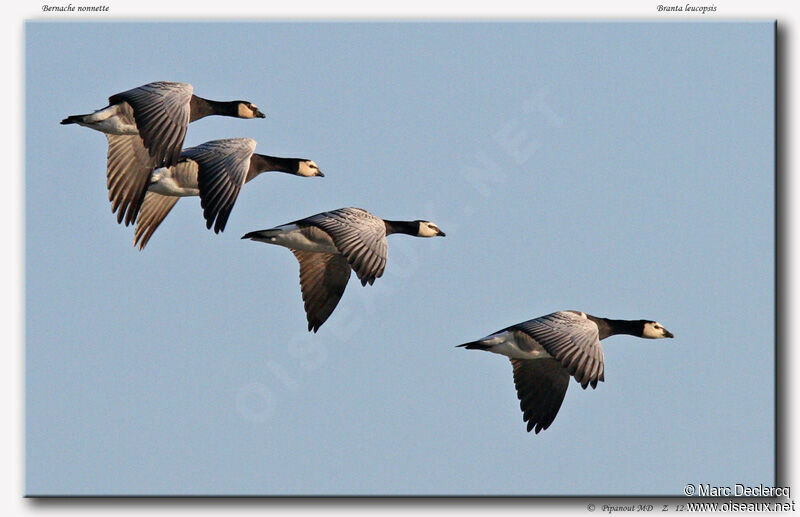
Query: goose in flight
(330, 244)
(215, 171)
(145, 128)
(546, 351)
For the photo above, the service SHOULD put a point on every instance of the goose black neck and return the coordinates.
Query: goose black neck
(407, 227)
(609, 327)
(200, 107)
(262, 163)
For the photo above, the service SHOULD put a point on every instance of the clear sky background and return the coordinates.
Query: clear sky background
(622, 169)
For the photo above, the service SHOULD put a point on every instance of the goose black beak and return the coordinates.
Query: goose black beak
(667, 333)
(441, 234)
(319, 173)
(258, 114)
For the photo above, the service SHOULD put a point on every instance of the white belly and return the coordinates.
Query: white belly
(296, 238)
(504, 343)
(110, 121)
(163, 183)
(113, 126)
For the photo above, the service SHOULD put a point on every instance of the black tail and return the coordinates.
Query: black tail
(251, 235)
(72, 119)
(261, 235)
(475, 345)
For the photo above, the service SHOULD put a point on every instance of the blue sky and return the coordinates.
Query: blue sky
(622, 169)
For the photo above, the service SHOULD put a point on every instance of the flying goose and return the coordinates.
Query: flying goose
(545, 351)
(329, 244)
(215, 171)
(145, 128)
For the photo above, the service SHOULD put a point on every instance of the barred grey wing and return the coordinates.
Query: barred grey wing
(154, 209)
(541, 385)
(223, 166)
(360, 237)
(573, 340)
(161, 111)
(323, 278)
(127, 175)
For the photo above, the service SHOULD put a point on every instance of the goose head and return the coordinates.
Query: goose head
(307, 168)
(429, 229)
(246, 109)
(654, 330)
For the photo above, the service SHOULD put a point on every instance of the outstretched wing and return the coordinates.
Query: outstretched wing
(127, 175)
(359, 236)
(323, 278)
(154, 209)
(541, 385)
(161, 111)
(223, 166)
(572, 339)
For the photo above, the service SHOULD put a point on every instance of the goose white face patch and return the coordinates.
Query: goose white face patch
(654, 330)
(245, 112)
(307, 169)
(428, 229)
